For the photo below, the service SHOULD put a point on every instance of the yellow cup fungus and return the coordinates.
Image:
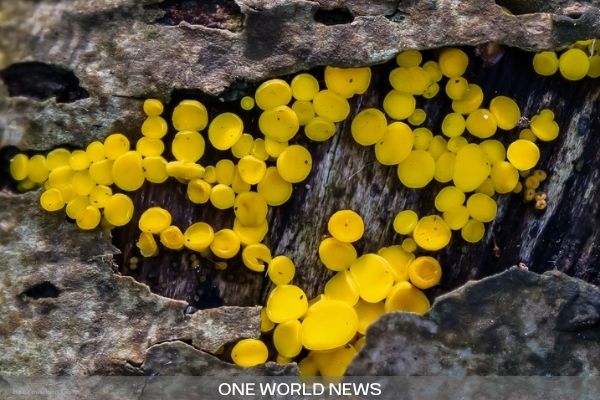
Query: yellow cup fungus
(398, 260)
(368, 126)
(304, 111)
(482, 207)
(155, 169)
(286, 302)
(188, 146)
(250, 208)
(281, 270)
(346, 226)
(336, 255)
(190, 115)
(250, 234)
(425, 272)
(544, 128)
(255, 256)
(99, 195)
(347, 81)
(247, 103)
(52, 200)
(76, 206)
(444, 167)
(410, 80)
(342, 287)
(118, 210)
(153, 107)
(504, 176)
(395, 145)
(433, 69)
(471, 168)
(398, 105)
(594, 71)
(82, 183)
(279, 123)
(198, 191)
(154, 220)
(319, 129)
(367, 314)
(274, 189)
(473, 231)
(331, 105)
(154, 127)
(437, 146)
(294, 163)
(481, 123)
(287, 338)
(79, 160)
(94, 151)
(409, 58)
(225, 130)
(274, 148)
(101, 172)
(304, 87)
(449, 197)
(128, 171)
(37, 170)
(249, 353)
(506, 112)
(407, 298)
(273, 93)
(198, 236)
(545, 63)
(115, 145)
(417, 169)
(453, 125)
(574, 64)
(60, 157)
(148, 147)
(456, 143)
(243, 146)
(453, 62)
(470, 101)
(373, 277)
(334, 363)
(456, 88)
(259, 149)
(222, 196)
(147, 245)
(225, 244)
(266, 325)
(251, 169)
(19, 167)
(89, 218)
(432, 233)
(405, 222)
(172, 238)
(456, 217)
(409, 245)
(328, 324)
(523, 154)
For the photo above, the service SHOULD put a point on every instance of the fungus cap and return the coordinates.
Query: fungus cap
(198, 191)
(432, 90)
(471, 168)
(425, 272)
(154, 220)
(222, 196)
(432, 233)
(250, 208)
(60, 157)
(294, 164)
(473, 231)
(255, 256)
(506, 111)
(481, 123)
(101, 172)
(225, 130)
(319, 129)
(346, 226)
(368, 126)
(243, 146)
(398, 259)
(286, 302)
(367, 314)
(405, 221)
(249, 353)
(274, 148)
(437, 146)
(456, 143)
(82, 183)
(470, 101)
(259, 149)
(89, 218)
(148, 147)
(398, 105)
(423, 137)
(280, 123)
(304, 87)
(331, 105)
(545, 129)
(273, 93)
(281, 270)
(266, 324)
(341, 286)
(99, 195)
(225, 244)
(395, 145)
(574, 64)
(456, 88)
(373, 277)
(409, 245)
(128, 171)
(190, 115)
(523, 154)
(19, 167)
(172, 238)
(453, 62)
(347, 81)
(52, 200)
(416, 170)
(274, 188)
(336, 255)
(115, 145)
(287, 338)
(449, 197)
(60, 176)
(494, 149)
(444, 167)
(155, 169)
(118, 210)
(79, 160)
(410, 80)
(154, 127)
(198, 236)
(334, 363)
(456, 217)
(247, 103)
(188, 146)
(545, 63)
(250, 234)
(504, 176)
(76, 206)
(328, 324)
(433, 69)
(251, 169)
(153, 107)
(94, 150)
(453, 125)
(304, 111)
(407, 298)
(409, 58)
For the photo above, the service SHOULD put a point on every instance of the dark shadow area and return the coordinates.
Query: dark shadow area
(41, 291)
(337, 16)
(217, 14)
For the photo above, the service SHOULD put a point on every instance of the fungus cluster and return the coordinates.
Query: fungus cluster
(578, 61)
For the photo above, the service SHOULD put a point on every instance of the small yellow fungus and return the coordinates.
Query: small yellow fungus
(88, 219)
(594, 71)
(328, 324)
(373, 277)
(287, 338)
(416, 170)
(494, 149)
(342, 287)
(210, 174)
(52, 200)
(225, 244)
(470, 101)
(545, 63)
(250, 208)
(188, 146)
(417, 117)
(574, 64)
(153, 107)
(115, 145)
(346, 226)
(449, 197)
(395, 145)
(409, 58)
(545, 129)
(101, 172)
(307, 367)
(473, 231)
(336, 255)
(259, 149)
(198, 191)
(172, 238)
(504, 176)
(433, 69)
(251, 169)
(225, 130)
(249, 353)
(444, 167)
(190, 115)
(118, 210)
(453, 125)
(471, 168)
(243, 146)
(247, 103)
(540, 174)
(319, 129)
(304, 87)
(347, 81)
(266, 325)
(453, 62)
(531, 182)
(60, 176)
(79, 160)
(529, 194)
(437, 146)
(281, 270)
(76, 206)
(128, 171)
(274, 148)
(456, 217)
(68, 193)
(482, 207)
(19, 167)
(432, 233)
(25, 185)
(523, 154)
(368, 126)
(99, 195)
(286, 302)
(37, 169)
(431, 91)
(527, 134)
(411, 80)
(273, 93)
(409, 245)
(398, 260)
(154, 220)
(250, 234)
(155, 169)
(405, 222)
(367, 314)
(487, 188)
(425, 272)
(304, 111)
(541, 204)
(506, 111)
(154, 127)
(331, 105)
(60, 157)
(222, 196)
(456, 88)
(456, 143)
(279, 123)
(82, 183)
(423, 137)
(225, 171)
(399, 105)
(334, 363)
(294, 163)
(198, 236)
(274, 188)
(255, 256)
(518, 188)
(148, 147)
(481, 123)
(406, 298)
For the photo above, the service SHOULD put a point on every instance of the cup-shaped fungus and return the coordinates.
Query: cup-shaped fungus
(453, 62)
(251, 169)
(504, 176)
(407, 298)
(190, 115)
(153, 107)
(281, 270)
(247, 103)
(79, 160)
(347, 81)
(473, 231)
(287, 338)
(249, 353)
(545, 63)
(433, 69)
(188, 146)
(574, 64)
(342, 287)
(523, 154)
(52, 200)
(154, 127)
(76, 206)
(328, 324)
(453, 125)
(19, 167)
(506, 111)
(243, 146)
(154, 220)
(273, 93)
(304, 111)
(471, 168)
(417, 117)
(336, 255)
(225, 244)
(274, 147)
(470, 101)
(274, 188)
(304, 87)
(198, 191)
(398, 260)
(368, 126)
(279, 123)
(115, 145)
(437, 146)
(225, 130)
(346, 226)
(417, 169)
(373, 277)
(545, 129)
(101, 172)
(334, 363)
(432, 233)
(255, 256)
(222, 196)
(250, 234)
(319, 129)
(250, 208)
(259, 149)
(411, 80)
(482, 207)
(294, 163)
(481, 123)
(395, 145)
(456, 217)
(128, 171)
(444, 167)
(367, 314)
(286, 302)
(99, 195)
(172, 238)
(331, 105)
(37, 170)
(155, 169)
(82, 183)
(118, 210)
(60, 157)
(266, 325)
(148, 147)
(60, 176)
(409, 245)
(456, 88)
(449, 197)
(198, 236)
(399, 105)
(405, 221)
(425, 272)
(89, 218)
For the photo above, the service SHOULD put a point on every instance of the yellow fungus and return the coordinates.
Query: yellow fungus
(82, 183)
(449, 197)
(60, 157)
(304, 111)
(225, 171)
(336, 255)
(68, 193)
(453, 125)
(541, 204)
(198, 191)
(531, 182)
(574, 64)
(154, 127)
(279, 123)
(225, 244)
(304, 87)
(101, 172)
(328, 324)
(172, 238)
(222, 196)
(431, 91)
(274, 148)
(247, 103)
(154, 220)
(307, 367)
(79, 160)
(99, 195)
(210, 174)
(482, 207)
(433, 69)
(251, 169)
(249, 353)
(368, 126)
(417, 117)
(444, 167)
(523, 154)
(294, 164)
(259, 149)
(395, 145)
(250, 208)
(473, 231)
(481, 123)
(188, 146)
(334, 363)
(274, 188)
(319, 129)
(411, 80)
(148, 147)
(425, 272)
(504, 176)
(456, 88)
(346, 226)
(470, 101)
(529, 194)
(494, 150)
(155, 169)
(540, 174)
(153, 107)
(118, 210)
(25, 185)
(453, 62)
(487, 187)
(37, 169)
(373, 277)
(198, 236)
(409, 245)
(545, 63)
(527, 134)
(437, 146)
(60, 176)
(594, 70)
(76, 206)
(190, 115)
(432, 233)
(367, 314)
(342, 286)
(406, 298)
(286, 302)
(506, 111)
(409, 58)
(184, 171)
(19, 167)
(398, 260)
(416, 170)
(281, 270)
(347, 81)
(243, 146)
(115, 145)
(239, 185)
(543, 128)
(52, 200)
(456, 217)
(287, 338)
(273, 93)
(471, 168)
(423, 137)
(405, 222)
(250, 234)
(518, 188)
(331, 105)
(399, 105)
(89, 218)
(128, 171)
(456, 143)
(225, 130)
(266, 324)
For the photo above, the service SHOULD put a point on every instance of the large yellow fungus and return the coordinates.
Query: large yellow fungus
(101, 172)
(319, 129)
(294, 163)
(347, 81)
(574, 64)
(118, 210)
(405, 222)
(506, 111)
(398, 259)
(481, 123)
(286, 302)
(399, 105)
(432, 233)
(368, 126)
(19, 167)
(346, 226)
(417, 169)
(273, 93)
(279, 123)
(407, 298)
(471, 168)
(255, 256)
(331, 105)
(52, 200)
(287, 338)
(198, 236)
(395, 145)
(37, 170)
(190, 115)
(473, 231)
(225, 244)
(342, 287)
(225, 130)
(249, 353)
(198, 191)
(188, 146)
(336, 255)
(115, 145)
(251, 169)
(250, 208)
(523, 154)
(328, 324)
(89, 218)
(304, 87)
(128, 171)
(453, 62)
(222, 196)
(154, 220)
(172, 238)
(373, 276)
(99, 195)
(274, 188)
(425, 272)
(545, 63)
(449, 197)
(281, 270)
(155, 169)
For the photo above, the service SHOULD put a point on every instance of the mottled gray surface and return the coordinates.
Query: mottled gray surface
(514, 323)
